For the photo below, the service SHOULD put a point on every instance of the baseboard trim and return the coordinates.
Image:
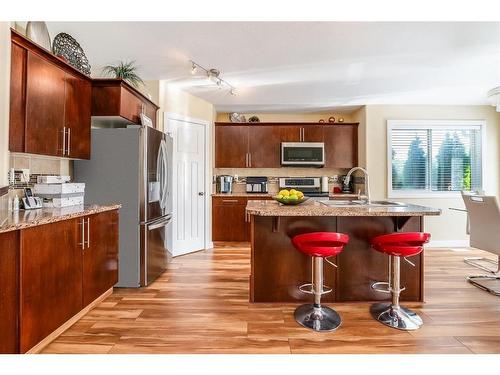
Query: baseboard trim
(46, 341)
(448, 243)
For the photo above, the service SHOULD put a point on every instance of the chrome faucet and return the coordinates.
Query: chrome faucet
(367, 181)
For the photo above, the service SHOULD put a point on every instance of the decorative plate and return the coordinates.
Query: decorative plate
(38, 33)
(236, 117)
(288, 202)
(254, 119)
(66, 46)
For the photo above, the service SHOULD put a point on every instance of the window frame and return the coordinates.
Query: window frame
(430, 124)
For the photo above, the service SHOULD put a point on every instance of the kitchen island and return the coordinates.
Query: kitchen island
(277, 268)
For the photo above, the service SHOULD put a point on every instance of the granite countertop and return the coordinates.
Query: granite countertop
(15, 220)
(314, 208)
(243, 194)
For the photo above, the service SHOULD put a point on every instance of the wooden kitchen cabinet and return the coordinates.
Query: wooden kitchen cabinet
(312, 133)
(17, 116)
(77, 116)
(49, 103)
(264, 146)
(9, 293)
(45, 99)
(259, 145)
(341, 145)
(231, 146)
(50, 272)
(228, 219)
(290, 133)
(115, 100)
(51, 279)
(100, 254)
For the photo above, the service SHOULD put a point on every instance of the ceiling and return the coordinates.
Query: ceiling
(305, 66)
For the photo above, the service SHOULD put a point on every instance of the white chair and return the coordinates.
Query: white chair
(483, 214)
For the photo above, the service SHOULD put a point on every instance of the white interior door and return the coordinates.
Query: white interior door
(188, 229)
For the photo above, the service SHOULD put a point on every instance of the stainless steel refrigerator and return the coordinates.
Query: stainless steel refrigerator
(133, 166)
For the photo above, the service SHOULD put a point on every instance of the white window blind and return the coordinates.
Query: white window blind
(427, 156)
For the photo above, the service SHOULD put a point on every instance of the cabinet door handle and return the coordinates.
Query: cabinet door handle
(250, 160)
(88, 232)
(246, 159)
(82, 223)
(229, 201)
(69, 140)
(64, 141)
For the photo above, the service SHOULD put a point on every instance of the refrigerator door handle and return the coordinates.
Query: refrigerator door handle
(159, 172)
(165, 173)
(160, 223)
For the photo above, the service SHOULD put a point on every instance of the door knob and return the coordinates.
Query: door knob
(201, 193)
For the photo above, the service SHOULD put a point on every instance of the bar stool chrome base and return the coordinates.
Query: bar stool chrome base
(396, 316)
(320, 319)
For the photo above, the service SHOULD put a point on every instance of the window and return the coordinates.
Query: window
(428, 158)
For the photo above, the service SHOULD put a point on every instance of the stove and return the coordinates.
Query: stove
(310, 186)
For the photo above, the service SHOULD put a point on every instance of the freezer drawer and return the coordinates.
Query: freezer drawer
(154, 254)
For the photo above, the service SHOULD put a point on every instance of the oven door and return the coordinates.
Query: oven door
(303, 154)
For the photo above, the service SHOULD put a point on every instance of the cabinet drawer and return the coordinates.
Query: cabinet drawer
(229, 200)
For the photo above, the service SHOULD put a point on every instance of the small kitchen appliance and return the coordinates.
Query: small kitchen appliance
(302, 154)
(310, 186)
(256, 184)
(224, 184)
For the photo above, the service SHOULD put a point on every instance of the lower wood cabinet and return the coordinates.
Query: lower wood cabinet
(51, 279)
(9, 292)
(49, 273)
(100, 256)
(229, 219)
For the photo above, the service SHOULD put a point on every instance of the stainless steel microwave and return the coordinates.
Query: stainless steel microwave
(304, 154)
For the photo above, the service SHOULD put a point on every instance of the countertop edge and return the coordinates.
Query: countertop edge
(311, 210)
(90, 210)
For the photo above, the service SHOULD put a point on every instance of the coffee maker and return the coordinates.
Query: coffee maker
(224, 184)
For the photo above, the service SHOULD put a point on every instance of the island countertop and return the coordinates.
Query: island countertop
(22, 219)
(316, 208)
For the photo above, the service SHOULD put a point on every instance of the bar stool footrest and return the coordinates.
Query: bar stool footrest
(308, 288)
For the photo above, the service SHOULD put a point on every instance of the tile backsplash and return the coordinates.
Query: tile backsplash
(37, 166)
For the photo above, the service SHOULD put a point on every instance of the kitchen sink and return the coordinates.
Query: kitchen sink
(359, 203)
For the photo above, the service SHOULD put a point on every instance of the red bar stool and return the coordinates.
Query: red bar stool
(319, 246)
(397, 245)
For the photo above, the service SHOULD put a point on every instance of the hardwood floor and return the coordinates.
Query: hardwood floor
(200, 305)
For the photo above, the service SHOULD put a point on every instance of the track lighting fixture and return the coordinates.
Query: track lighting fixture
(214, 76)
(194, 68)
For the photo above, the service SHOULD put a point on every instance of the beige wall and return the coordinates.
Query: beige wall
(450, 226)
(4, 104)
(175, 101)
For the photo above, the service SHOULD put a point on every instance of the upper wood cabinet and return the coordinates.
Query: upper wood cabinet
(231, 146)
(45, 99)
(341, 146)
(259, 145)
(264, 146)
(49, 103)
(77, 116)
(313, 133)
(114, 100)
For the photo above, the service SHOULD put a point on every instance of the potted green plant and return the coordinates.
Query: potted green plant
(124, 70)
